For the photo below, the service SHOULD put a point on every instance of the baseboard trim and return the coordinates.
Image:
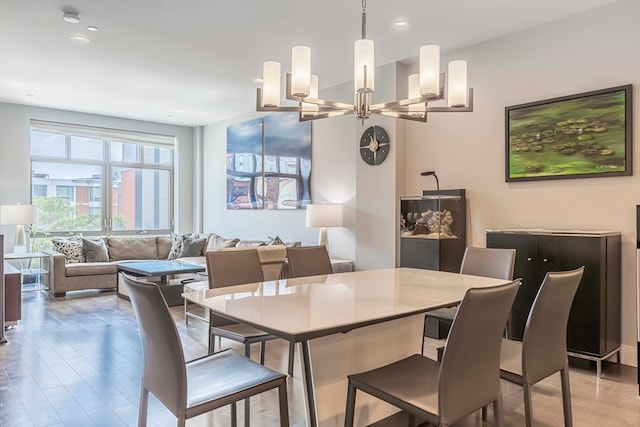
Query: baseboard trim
(629, 355)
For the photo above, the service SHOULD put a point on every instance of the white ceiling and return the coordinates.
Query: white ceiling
(192, 62)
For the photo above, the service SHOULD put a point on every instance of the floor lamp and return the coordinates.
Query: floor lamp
(18, 215)
(324, 216)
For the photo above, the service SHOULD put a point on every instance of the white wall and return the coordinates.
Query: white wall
(592, 51)
(15, 169)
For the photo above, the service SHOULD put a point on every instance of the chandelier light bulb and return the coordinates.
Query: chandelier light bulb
(271, 84)
(430, 70)
(457, 91)
(414, 92)
(300, 71)
(363, 55)
(313, 93)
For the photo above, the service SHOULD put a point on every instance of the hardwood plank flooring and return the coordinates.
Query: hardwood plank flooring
(76, 361)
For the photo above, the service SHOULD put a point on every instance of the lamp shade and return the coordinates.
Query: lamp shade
(271, 84)
(18, 214)
(327, 215)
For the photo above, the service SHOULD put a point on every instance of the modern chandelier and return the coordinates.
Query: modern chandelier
(425, 87)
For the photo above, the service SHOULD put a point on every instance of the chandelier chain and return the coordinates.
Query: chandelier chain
(364, 19)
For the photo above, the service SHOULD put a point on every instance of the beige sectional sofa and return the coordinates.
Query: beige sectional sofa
(72, 271)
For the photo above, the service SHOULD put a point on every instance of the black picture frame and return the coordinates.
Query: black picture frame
(585, 135)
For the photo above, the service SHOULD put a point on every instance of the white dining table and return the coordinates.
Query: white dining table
(345, 323)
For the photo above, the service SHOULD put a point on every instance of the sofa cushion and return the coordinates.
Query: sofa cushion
(164, 246)
(91, 268)
(250, 243)
(121, 248)
(70, 247)
(215, 243)
(94, 250)
(192, 246)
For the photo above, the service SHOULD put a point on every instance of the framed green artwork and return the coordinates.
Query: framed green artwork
(576, 136)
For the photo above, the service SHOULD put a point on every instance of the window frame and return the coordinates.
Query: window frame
(107, 166)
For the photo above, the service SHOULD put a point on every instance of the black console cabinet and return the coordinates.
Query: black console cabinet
(594, 321)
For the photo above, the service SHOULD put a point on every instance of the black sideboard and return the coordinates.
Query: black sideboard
(593, 331)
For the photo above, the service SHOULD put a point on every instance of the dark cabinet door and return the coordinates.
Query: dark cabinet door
(594, 320)
(525, 268)
(559, 253)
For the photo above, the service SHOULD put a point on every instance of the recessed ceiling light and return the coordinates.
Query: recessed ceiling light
(71, 17)
(92, 28)
(33, 88)
(401, 24)
(258, 80)
(79, 39)
(179, 111)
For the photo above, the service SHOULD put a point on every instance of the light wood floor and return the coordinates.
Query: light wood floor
(76, 361)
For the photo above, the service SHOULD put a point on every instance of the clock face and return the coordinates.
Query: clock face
(374, 145)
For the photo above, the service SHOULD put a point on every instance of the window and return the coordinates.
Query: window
(101, 181)
(39, 190)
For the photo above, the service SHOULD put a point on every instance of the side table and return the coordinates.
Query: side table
(39, 273)
(342, 265)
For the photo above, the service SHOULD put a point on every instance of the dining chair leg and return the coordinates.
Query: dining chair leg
(143, 407)
(498, 418)
(484, 413)
(212, 343)
(292, 353)
(234, 415)
(247, 409)
(528, 415)
(566, 396)
(351, 405)
(284, 403)
(186, 318)
(412, 420)
(247, 412)
(262, 345)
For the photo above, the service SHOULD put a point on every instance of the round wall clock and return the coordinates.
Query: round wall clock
(374, 145)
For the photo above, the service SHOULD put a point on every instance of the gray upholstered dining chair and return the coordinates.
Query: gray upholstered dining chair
(487, 262)
(308, 261)
(543, 350)
(195, 387)
(228, 269)
(467, 378)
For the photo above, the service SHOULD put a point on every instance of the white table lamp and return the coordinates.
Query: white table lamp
(324, 216)
(18, 215)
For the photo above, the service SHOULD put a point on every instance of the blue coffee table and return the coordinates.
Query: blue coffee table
(171, 289)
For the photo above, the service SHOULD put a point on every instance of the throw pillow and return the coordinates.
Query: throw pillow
(274, 241)
(216, 243)
(95, 250)
(70, 247)
(176, 245)
(191, 246)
